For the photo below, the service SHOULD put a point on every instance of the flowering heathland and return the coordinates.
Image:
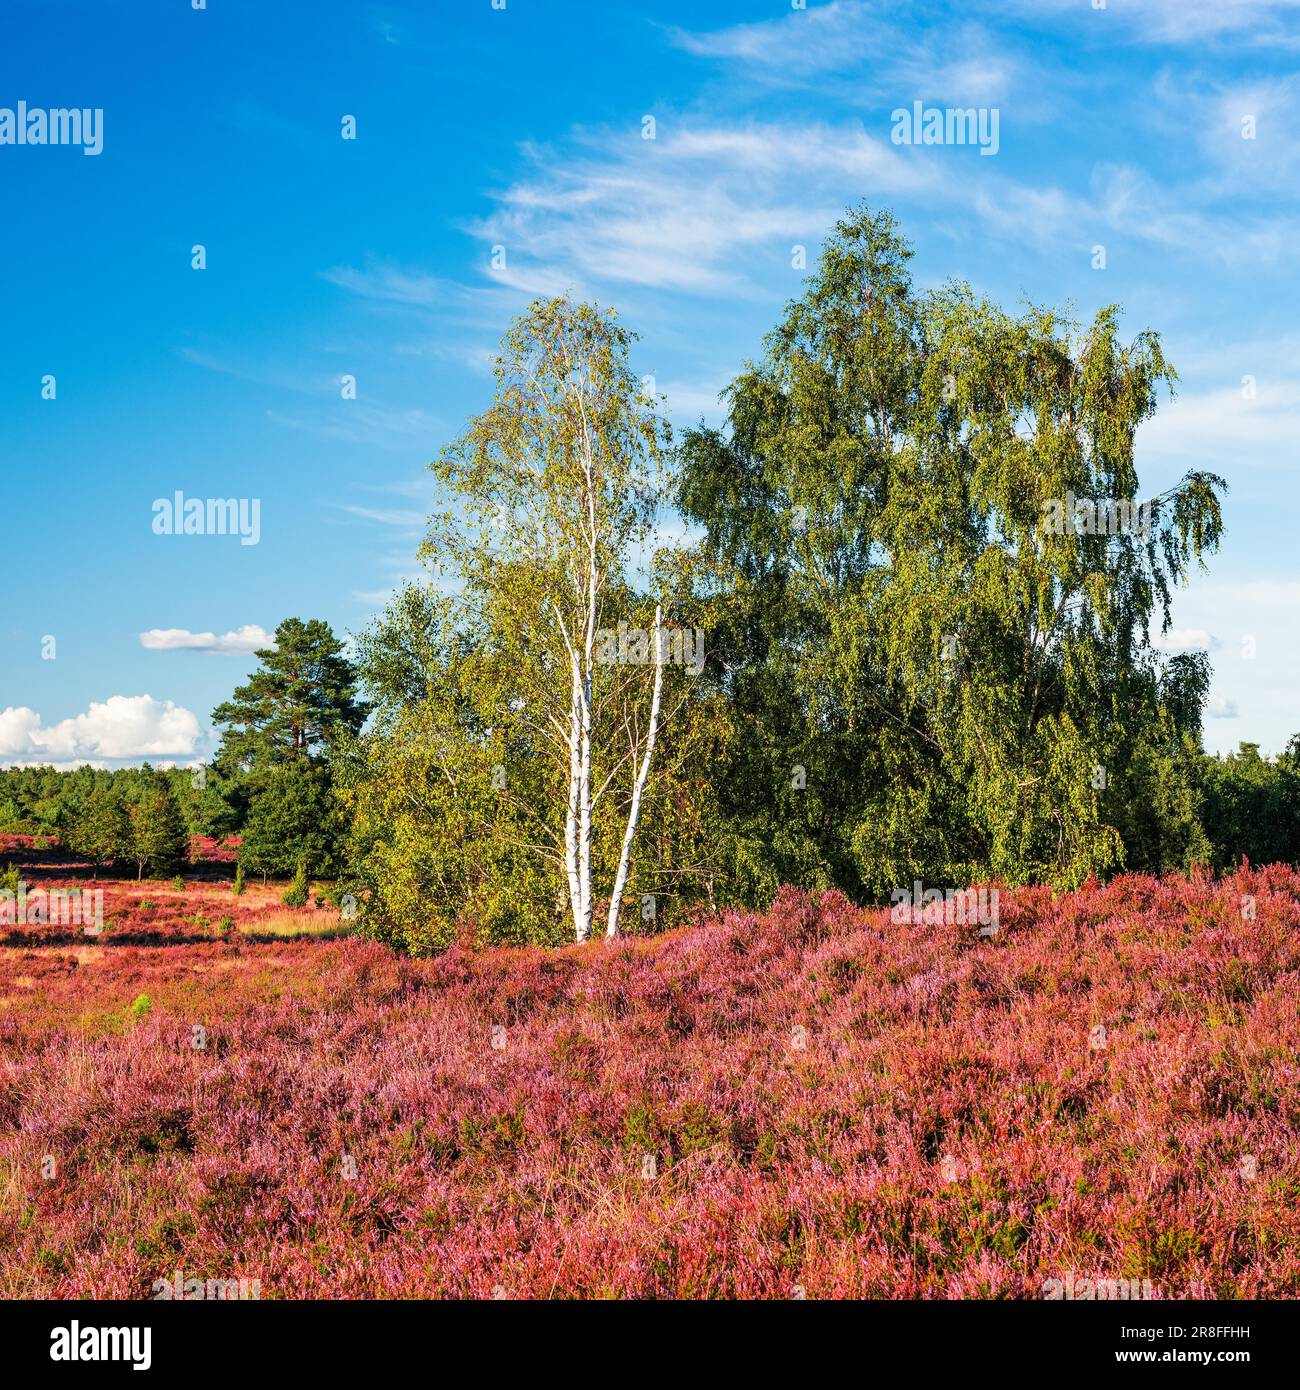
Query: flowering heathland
(815, 1101)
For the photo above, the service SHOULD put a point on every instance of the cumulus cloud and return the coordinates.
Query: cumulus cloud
(123, 726)
(249, 638)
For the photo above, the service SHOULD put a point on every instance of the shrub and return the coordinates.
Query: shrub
(296, 896)
(237, 887)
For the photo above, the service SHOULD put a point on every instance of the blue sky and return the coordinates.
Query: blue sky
(522, 128)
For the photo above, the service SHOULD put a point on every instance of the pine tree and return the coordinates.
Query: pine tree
(297, 704)
(271, 780)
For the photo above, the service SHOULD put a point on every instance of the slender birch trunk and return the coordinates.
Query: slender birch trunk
(638, 788)
(584, 766)
(571, 814)
(584, 820)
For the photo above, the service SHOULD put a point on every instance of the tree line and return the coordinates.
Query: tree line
(909, 633)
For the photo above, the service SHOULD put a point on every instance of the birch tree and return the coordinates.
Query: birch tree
(549, 495)
(967, 682)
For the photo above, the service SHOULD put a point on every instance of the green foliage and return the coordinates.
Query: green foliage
(237, 888)
(913, 670)
(44, 802)
(1250, 806)
(297, 704)
(458, 793)
(961, 691)
(141, 1007)
(159, 840)
(101, 827)
(296, 894)
(293, 818)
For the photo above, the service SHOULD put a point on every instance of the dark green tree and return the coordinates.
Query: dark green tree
(297, 892)
(159, 840)
(293, 819)
(101, 828)
(271, 779)
(295, 705)
(1251, 806)
(938, 675)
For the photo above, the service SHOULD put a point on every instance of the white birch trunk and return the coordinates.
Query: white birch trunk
(571, 813)
(638, 788)
(584, 822)
(584, 764)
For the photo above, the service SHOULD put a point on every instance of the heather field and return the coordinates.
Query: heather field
(815, 1101)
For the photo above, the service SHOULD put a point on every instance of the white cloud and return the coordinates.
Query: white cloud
(1253, 622)
(1185, 639)
(1131, 202)
(123, 726)
(714, 209)
(1254, 22)
(1183, 21)
(686, 210)
(1229, 430)
(1263, 157)
(378, 426)
(878, 51)
(392, 284)
(249, 638)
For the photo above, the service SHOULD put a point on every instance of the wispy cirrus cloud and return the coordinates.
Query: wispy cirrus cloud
(393, 284)
(879, 48)
(705, 207)
(1248, 426)
(372, 425)
(399, 517)
(685, 210)
(1250, 134)
(1249, 22)
(271, 374)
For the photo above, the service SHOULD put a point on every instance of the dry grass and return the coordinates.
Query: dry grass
(293, 925)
